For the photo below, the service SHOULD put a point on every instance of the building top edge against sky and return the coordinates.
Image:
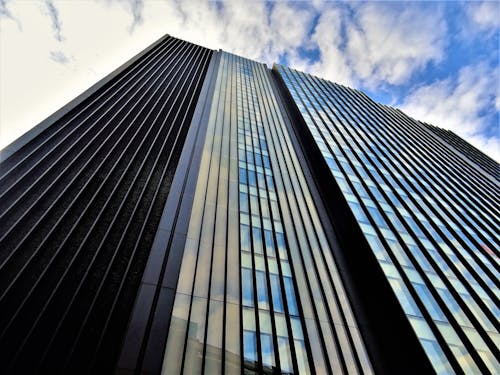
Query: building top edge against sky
(198, 212)
(469, 150)
(381, 48)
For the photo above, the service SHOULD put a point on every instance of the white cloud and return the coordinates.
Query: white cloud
(388, 43)
(485, 15)
(47, 60)
(369, 44)
(52, 50)
(463, 105)
(328, 38)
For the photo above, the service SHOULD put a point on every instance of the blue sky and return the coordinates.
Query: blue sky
(437, 61)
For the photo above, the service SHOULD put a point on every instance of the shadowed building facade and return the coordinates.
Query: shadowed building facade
(196, 212)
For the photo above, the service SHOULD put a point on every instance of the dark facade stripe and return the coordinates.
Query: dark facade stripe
(79, 208)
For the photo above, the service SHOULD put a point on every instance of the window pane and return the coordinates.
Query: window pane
(243, 176)
(437, 357)
(245, 237)
(247, 286)
(267, 350)
(250, 346)
(262, 290)
(280, 239)
(290, 296)
(269, 243)
(243, 202)
(285, 357)
(276, 291)
(300, 349)
(257, 240)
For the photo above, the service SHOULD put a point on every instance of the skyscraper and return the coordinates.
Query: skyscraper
(196, 212)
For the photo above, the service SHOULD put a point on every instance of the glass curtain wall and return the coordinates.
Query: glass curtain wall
(428, 216)
(259, 291)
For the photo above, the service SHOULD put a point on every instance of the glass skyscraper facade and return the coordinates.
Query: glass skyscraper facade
(430, 218)
(199, 213)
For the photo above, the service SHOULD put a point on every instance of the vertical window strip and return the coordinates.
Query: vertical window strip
(401, 290)
(302, 190)
(408, 187)
(184, 303)
(346, 341)
(392, 183)
(446, 188)
(265, 253)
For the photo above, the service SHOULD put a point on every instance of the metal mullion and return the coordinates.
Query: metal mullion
(483, 221)
(231, 146)
(267, 94)
(439, 216)
(402, 201)
(245, 110)
(300, 186)
(110, 263)
(316, 274)
(72, 203)
(453, 173)
(481, 161)
(454, 169)
(433, 220)
(61, 157)
(68, 167)
(450, 263)
(452, 321)
(57, 251)
(211, 192)
(233, 237)
(267, 97)
(201, 194)
(254, 104)
(187, 169)
(279, 136)
(238, 90)
(80, 247)
(429, 237)
(168, 162)
(479, 262)
(126, 73)
(399, 267)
